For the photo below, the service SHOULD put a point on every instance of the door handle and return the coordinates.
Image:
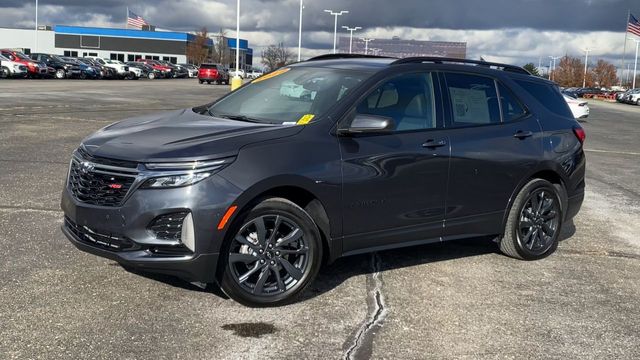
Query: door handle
(431, 143)
(522, 134)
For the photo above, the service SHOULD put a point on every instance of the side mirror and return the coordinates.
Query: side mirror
(368, 124)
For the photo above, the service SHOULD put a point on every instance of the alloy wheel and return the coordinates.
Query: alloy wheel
(538, 222)
(269, 255)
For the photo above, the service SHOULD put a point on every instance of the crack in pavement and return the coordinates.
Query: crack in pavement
(604, 253)
(362, 343)
(28, 208)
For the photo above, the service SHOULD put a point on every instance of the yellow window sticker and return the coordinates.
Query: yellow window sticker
(305, 119)
(271, 75)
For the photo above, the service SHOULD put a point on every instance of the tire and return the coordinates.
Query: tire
(249, 259)
(151, 76)
(542, 218)
(200, 82)
(638, 102)
(60, 74)
(5, 73)
(209, 82)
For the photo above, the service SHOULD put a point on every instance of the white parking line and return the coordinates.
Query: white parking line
(612, 152)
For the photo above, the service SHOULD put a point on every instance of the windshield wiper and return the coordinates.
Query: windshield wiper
(238, 117)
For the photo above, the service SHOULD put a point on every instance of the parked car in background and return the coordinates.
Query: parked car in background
(581, 92)
(633, 97)
(146, 70)
(241, 73)
(254, 74)
(579, 108)
(63, 67)
(166, 71)
(212, 73)
(34, 68)
(192, 69)
(86, 71)
(97, 68)
(121, 70)
(11, 69)
(178, 71)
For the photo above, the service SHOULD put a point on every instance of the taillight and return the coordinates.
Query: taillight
(214, 72)
(580, 134)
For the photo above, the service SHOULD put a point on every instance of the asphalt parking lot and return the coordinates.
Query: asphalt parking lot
(453, 300)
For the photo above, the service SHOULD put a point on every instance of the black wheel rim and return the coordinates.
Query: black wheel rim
(538, 224)
(269, 256)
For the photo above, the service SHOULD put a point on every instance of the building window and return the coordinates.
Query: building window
(131, 57)
(121, 57)
(138, 56)
(174, 60)
(113, 56)
(27, 51)
(74, 54)
(156, 58)
(93, 54)
(165, 58)
(67, 53)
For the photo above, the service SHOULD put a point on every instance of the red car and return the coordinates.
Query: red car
(33, 68)
(212, 73)
(166, 71)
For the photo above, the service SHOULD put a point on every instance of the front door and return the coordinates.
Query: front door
(394, 184)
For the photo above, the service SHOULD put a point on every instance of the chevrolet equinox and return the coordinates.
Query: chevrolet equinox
(335, 156)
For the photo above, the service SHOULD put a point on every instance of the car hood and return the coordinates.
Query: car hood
(181, 135)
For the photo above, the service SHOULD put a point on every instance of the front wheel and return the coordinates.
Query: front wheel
(272, 255)
(4, 73)
(60, 74)
(534, 222)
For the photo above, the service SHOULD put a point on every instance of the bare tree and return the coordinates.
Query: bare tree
(221, 53)
(570, 72)
(605, 74)
(276, 56)
(198, 50)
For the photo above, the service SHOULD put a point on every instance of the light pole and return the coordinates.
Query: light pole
(35, 47)
(635, 64)
(586, 66)
(300, 33)
(366, 45)
(236, 82)
(335, 25)
(351, 30)
(552, 65)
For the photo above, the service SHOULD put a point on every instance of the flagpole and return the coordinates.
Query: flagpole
(624, 51)
(126, 20)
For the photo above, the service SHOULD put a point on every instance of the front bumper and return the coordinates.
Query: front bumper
(206, 201)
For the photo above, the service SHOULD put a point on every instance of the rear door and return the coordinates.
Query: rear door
(495, 142)
(394, 184)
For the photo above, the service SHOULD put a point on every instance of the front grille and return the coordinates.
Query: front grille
(110, 242)
(169, 226)
(99, 184)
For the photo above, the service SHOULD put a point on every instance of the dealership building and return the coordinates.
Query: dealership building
(396, 47)
(110, 43)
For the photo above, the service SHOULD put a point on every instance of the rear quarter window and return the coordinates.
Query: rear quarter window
(548, 95)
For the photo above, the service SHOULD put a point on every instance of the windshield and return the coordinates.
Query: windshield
(289, 96)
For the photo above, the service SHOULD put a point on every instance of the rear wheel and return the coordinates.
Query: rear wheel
(60, 74)
(272, 256)
(151, 76)
(4, 73)
(534, 222)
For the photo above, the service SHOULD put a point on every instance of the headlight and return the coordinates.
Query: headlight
(175, 180)
(183, 173)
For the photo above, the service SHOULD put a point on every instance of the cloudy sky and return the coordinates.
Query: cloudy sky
(514, 31)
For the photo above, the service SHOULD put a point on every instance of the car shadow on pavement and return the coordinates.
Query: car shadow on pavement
(333, 275)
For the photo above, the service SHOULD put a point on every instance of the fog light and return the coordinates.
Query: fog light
(187, 236)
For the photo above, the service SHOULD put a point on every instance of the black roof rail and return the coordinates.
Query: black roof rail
(347, 56)
(442, 60)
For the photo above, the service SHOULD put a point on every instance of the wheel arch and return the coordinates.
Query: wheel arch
(549, 174)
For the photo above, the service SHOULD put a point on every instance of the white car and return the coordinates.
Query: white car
(10, 68)
(579, 108)
(241, 73)
(255, 74)
(121, 68)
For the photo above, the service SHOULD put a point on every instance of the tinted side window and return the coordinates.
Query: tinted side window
(407, 99)
(474, 100)
(548, 95)
(511, 108)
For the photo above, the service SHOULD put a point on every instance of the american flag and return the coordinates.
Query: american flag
(633, 26)
(135, 20)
